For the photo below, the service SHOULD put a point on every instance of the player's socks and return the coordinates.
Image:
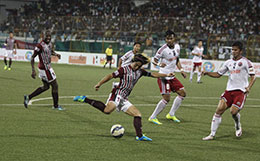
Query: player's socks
(216, 120)
(55, 97)
(5, 61)
(160, 106)
(238, 127)
(191, 75)
(176, 104)
(10, 63)
(199, 77)
(97, 104)
(236, 120)
(37, 92)
(138, 126)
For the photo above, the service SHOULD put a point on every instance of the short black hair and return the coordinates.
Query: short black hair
(238, 44)
(10, 32)
(137, 42)
(141, 58)
(169, 33)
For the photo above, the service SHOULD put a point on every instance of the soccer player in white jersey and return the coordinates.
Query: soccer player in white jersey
(197, 53)
(234, 97)
(118, 98)
(126, 59)
(168, 55)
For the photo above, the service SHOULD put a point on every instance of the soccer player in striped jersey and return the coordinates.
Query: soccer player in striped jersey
(10, 44)
(44, 51)
(239, 68)
(168, 54)
(118, 98)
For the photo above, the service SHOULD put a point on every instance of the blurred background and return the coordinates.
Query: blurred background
(91, 25)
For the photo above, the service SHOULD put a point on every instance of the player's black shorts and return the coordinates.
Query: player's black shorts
(109, 58)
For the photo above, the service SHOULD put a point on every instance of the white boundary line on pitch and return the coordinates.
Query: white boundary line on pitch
(104, 96)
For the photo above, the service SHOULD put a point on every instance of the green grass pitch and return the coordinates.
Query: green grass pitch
(82, 133)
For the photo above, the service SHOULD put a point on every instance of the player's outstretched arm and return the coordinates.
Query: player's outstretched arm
(157, 75)
(212, 74)
(102, 81)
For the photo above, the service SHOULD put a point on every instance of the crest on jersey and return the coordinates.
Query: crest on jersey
(240, 64)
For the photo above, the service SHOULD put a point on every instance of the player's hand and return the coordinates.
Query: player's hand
(247, 90)
(97, 87)
(58, 55)
(14, 52)
(162, 65)
(183, 74)
(204, 73)
(171, 75)
(33, 74)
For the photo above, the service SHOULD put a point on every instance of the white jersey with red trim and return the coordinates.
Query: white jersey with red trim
(197, 50)
(239, 71)
(127, 58)
(169, 57)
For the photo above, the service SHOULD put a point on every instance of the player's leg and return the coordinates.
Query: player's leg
(199, 74)
(10, 63)
(165, 91)
(216, 120)
(107, 109)
(5, 61)
(35, 93)
(133, 111)
(238, 103)
(55, 95)
(192, 72)
(110, 63)
(176, 86)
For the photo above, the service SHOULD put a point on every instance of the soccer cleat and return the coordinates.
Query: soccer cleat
(143, 138)
(9, 69)
(155, 121)
(26, 101)
(58, 108)
(5, 68)
(79, 98)
(238, 130)
(174, 118)
(210, 137)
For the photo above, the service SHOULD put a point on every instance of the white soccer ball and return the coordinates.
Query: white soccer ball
(117, 131)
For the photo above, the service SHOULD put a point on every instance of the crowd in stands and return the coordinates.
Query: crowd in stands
(123, 19)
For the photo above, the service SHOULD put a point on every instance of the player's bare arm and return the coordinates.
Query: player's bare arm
(15, 47)
(55, 54)
(180, 68)
(32, 64)
(104, 80)
(157, 75)
(119, 63)
(251, 83)
(212, 74)
(155, 62)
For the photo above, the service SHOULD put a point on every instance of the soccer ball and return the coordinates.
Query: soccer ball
(117, 131)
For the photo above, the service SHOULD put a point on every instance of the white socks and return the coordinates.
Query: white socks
(216, 120)
(160, 106)
(191, 74)
(199, 76)
(236, 120)
(176, 104)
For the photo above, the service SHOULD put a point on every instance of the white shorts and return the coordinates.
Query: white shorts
(121, 103)
(9, 53)
(47, 75)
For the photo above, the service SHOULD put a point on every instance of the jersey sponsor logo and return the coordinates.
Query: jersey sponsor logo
(235, 71)
(208, 66)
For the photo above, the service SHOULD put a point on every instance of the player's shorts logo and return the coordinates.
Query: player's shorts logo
(28, 55)
(208, 67)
